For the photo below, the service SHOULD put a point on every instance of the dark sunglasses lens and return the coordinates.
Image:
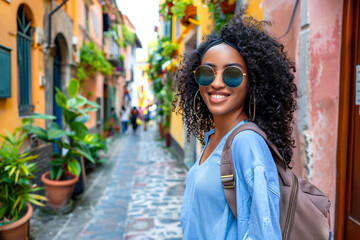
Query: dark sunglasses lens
(232, 77)
(204, 75)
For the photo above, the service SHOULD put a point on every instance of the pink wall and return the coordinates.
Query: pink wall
(321, 73)
(325, 44)
(279, 13)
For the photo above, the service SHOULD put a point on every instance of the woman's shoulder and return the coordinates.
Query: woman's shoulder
(249, 150)
(250, 138)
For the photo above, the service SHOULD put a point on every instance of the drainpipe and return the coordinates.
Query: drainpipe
(291, 19)
(50, 15)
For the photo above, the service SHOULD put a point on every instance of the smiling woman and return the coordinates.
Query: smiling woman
(236, 76)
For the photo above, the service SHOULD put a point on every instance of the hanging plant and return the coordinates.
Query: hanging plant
(179, 6)
(221, 12)
(128, 36)
(92, 60)
(169, 48)
(165, 10)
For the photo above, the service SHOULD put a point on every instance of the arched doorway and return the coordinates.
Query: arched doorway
(24, 41)
(57, 111)
(59, 79)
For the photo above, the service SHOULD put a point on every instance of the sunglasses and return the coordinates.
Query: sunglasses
(232, 76)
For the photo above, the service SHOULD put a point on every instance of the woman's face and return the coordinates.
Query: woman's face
(219, 98)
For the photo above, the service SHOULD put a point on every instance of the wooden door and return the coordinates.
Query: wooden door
(347, 222)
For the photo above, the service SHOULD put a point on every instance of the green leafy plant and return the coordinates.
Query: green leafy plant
(95, 143)
(128, 36)
(169, 48)
(16, 173)
(92, 60)
(179, 6)
(165, 9)
(219, 18)
(71, 138)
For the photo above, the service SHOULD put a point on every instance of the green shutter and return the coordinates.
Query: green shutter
(5, 72)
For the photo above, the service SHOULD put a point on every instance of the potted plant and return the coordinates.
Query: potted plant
(165, 9)
(221, 12)
(65, 165)
(227, 6)
(184, 10)
(16, 173)
(96, 143)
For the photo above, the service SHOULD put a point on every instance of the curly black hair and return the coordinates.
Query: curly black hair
(270, 83)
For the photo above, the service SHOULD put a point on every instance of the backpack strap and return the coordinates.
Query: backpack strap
(228, 174)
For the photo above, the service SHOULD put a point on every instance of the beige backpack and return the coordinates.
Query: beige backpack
(304, 209)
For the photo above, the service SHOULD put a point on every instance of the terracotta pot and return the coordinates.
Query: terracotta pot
(168, 138)
(17, 230)
(228, 6)
(58, 193)
(161, 129)
(190, 12)
(175, 53)
(104, 133)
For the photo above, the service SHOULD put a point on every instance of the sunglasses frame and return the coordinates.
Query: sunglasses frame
(194, 72)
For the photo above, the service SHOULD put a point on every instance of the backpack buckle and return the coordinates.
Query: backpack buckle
(228, 181)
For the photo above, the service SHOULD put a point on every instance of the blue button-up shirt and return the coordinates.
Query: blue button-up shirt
(205, 213)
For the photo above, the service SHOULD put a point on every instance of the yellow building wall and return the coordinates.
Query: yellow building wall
(9, 113)
(256, 9)
(205, 27)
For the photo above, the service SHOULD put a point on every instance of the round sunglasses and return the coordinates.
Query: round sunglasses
(232, 75)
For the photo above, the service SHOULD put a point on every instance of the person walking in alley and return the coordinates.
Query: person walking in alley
(134, 118)
(124, 118)
(235, 76)
(146, 116)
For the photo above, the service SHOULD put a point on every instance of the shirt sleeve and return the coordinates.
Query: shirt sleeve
(257, 188)
(264, 210)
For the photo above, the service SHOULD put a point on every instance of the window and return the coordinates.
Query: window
(87, 17)
(5, 72)
(24, 39)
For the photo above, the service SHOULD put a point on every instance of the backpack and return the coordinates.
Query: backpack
(304, 209)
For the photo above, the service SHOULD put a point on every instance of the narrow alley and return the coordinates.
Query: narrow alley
(136, 194)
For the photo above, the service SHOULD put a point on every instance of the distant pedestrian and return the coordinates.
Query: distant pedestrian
(124, 118)
(236, 76)
(134, 119)
(146, 116)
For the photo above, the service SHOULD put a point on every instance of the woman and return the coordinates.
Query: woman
(134, 117)
(124, 118)
(240, 74)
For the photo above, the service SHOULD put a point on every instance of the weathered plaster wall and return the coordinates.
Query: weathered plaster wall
(314, 43)
(279, 14)
(325, 17)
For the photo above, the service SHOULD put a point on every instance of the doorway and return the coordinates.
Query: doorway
(347, 222)
(57, 111)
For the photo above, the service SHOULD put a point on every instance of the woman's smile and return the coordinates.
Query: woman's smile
(218, 97)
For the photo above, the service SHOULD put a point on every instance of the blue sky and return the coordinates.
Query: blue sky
(144, 15)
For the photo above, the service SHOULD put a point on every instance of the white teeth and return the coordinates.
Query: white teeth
(218, 96)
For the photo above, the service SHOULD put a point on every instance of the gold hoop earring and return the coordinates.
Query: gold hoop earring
(252, 116)
(194, 103)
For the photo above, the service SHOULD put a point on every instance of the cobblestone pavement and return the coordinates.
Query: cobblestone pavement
(137, 194)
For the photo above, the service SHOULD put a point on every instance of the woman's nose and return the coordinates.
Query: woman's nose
(218, 81)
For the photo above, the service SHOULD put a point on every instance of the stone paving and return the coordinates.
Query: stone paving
(136, 194)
